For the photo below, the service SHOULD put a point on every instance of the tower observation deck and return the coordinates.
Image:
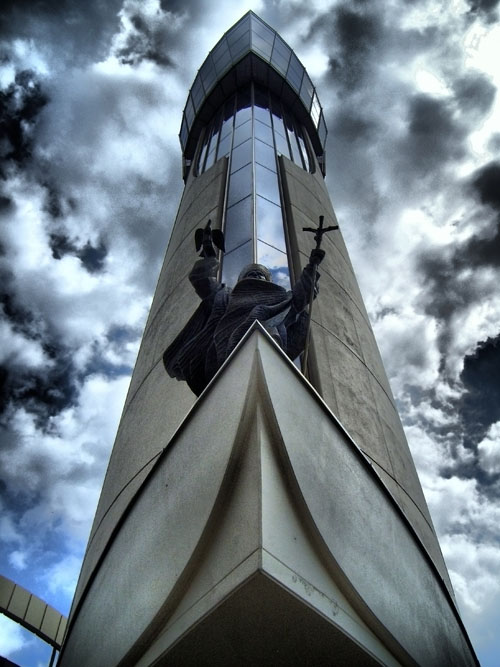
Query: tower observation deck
(276, 519)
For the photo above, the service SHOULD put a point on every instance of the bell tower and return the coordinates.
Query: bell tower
(277, 518)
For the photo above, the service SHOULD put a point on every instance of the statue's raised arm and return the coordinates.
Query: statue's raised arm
(225, 315)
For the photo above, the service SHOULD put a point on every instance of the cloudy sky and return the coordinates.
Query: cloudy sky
(91, 96)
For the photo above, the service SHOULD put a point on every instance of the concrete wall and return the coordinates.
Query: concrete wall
(156, 404)
(346, 368)
(345, 364)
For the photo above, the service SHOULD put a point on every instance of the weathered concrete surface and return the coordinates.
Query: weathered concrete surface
(280, 503)
(345, 364)
(156, 404)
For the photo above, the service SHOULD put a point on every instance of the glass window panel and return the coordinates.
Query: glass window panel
(207, 74)
(305, 155)
(243, 106)
(242, 133)
(295, 72)
(280, 63)
(276, 262)
(203, 153)
(210, 159)
(241, 31)
(220, 50)
(215, 135)
(261, 106)
(239, 224)
(258, 28)
(239, 49)
(223, 60)
(240, 185)
(266, 183)
(239, 45)
(197, 92)
(263, 115)
(315, 110)
(184, 132)
(189, 111)
(264, 154)
(279, 126)
(322, 131)
(306, 91)
(224, 146)
(295, 148)
(282, 145)
(261, 46)
(263, 132)
(281, 47)
(227, 121)
(235, 261)
(242, 115)
(241, 155)
(270, 223)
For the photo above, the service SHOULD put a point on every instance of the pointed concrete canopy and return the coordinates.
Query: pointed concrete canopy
(269, 540)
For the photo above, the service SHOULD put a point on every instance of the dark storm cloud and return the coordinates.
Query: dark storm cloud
(484, 8)
(447, 289)
(444, 293)
(20, 104)
(42, 393)
(353, 126)
(474, 92)
(486, 183)
(72, 29)
(148, 41)
(480, 405)
(5, 204)
(478, 409)
(433, 135)
(92, 257)
(355, 36)
(480, 250)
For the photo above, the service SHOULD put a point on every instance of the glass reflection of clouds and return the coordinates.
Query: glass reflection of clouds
(276, 261)
(270, 224)
(235, 261)
(239, 227)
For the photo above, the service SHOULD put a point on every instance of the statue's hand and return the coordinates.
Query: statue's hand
(317, 256)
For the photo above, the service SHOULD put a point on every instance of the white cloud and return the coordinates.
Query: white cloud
(11, 637)
(63, 575)
(19, 350)
(18, 559)
(489, 450)
(408, 344)
(65, 466)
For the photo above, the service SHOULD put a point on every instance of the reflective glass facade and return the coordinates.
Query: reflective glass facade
(252, 101)
(250, 36)
(252, 128)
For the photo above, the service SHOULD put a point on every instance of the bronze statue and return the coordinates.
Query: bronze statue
(225, 315)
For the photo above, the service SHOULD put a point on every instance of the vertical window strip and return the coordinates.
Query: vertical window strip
(243, 213)
(305, 154)
(254, 201)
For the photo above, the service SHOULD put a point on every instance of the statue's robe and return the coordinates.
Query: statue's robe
(224, 316)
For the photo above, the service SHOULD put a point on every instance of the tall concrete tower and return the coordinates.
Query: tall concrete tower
(276, 519)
